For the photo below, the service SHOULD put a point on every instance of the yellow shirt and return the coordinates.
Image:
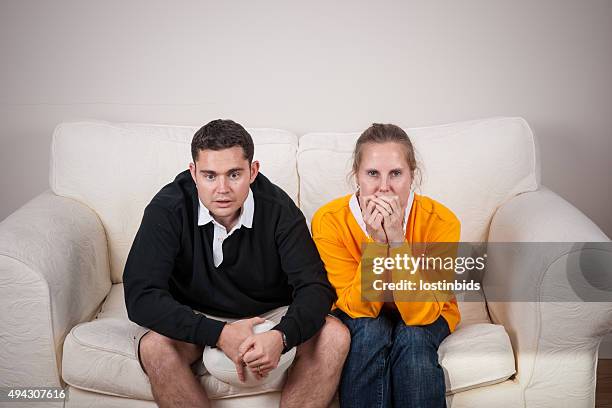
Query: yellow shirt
(339, 240)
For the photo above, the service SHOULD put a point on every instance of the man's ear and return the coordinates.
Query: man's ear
(254, 170)
(192, 170)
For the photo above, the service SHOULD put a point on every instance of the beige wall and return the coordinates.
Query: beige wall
(308, 66)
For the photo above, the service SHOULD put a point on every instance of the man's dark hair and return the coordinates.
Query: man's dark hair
(222, 134)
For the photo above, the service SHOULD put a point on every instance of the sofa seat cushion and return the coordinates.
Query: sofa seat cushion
(476, 355)
(100, 356)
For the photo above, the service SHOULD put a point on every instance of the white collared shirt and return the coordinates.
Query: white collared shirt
(356, 211)
(220, 233)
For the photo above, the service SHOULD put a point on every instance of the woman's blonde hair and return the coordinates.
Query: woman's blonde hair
(384, 133)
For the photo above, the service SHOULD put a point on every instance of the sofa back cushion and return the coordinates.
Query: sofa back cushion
(116, 169)
(470, 167)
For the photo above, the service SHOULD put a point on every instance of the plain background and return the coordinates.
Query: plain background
(312, 66)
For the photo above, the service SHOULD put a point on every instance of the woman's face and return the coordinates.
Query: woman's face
(384, 170)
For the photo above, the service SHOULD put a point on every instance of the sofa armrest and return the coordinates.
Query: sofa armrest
(54, 273)
(555, 335)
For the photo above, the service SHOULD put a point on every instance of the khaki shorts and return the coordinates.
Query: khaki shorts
(198, 368)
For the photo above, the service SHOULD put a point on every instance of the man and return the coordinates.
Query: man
(222, 240)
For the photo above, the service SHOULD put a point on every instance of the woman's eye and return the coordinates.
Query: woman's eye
(396, 173)
(372, 173)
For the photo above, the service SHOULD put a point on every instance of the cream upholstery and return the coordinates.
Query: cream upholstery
(555, 353)
(62, 256)
(54, 274)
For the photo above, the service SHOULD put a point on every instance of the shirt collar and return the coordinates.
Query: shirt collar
(356, 211)
(246, 212)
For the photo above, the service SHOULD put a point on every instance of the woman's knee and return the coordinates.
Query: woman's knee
(422, 337)
(370, 343)
(418, 379)
(416, 349)
(370, 334)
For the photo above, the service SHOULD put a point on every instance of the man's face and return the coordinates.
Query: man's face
(222, 178)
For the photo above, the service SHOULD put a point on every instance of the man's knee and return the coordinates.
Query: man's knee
(336, 335)
(333, 339)
(160, 354)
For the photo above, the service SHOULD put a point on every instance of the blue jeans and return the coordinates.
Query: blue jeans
(391, 364)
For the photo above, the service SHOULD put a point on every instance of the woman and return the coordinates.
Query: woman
(393, 360)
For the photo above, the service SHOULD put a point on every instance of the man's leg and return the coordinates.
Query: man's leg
(366, 377)
(418, 378)
(313, 378)
(167, 362)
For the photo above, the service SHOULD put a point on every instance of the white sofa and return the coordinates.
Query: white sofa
(64, 321)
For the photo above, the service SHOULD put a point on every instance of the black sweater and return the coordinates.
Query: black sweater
(170, 270)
